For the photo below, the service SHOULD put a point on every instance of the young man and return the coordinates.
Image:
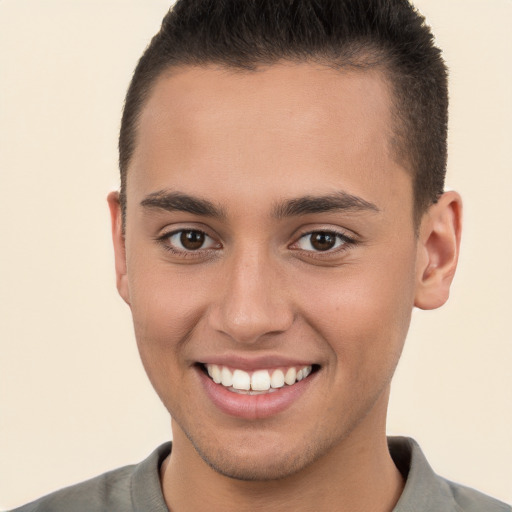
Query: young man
(282, 210)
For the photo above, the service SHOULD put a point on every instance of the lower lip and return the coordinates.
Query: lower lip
(254, 407)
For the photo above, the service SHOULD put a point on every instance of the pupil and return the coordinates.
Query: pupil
(323, 241)
(192, 239)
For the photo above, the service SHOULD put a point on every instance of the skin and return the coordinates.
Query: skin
(246, 142)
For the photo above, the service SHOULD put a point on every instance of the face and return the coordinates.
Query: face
(269, 230)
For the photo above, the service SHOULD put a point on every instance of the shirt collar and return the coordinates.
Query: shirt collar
(423, 490)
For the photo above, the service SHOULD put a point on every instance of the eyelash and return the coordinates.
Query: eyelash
(164, 240)
(346, 243)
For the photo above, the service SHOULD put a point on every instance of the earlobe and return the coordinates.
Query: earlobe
(438, 251)
(119, 245)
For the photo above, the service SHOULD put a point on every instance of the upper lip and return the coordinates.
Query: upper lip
(255, 362)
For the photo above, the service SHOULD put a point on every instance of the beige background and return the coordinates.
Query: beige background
(74, 400)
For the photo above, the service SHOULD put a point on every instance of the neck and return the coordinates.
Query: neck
(357, 474)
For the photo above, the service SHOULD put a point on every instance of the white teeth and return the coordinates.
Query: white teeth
(241, 380)
(290, 376)
(215, 373)
(226, 377)
(260, 380)
(277, 380)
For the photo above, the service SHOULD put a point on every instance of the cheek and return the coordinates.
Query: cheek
(164, 300)
(165, 309)
(363, 314)
(164, 318)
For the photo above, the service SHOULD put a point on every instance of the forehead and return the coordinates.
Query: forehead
(305, 122)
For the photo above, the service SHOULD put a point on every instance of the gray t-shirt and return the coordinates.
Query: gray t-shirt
(137, 488)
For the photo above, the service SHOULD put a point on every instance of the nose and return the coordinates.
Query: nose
(253, 302)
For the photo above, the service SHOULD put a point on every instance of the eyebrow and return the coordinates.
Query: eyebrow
(178, 201)
(339, 201)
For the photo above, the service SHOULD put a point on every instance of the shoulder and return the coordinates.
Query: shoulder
(470, 500)
(426, 491)
(108, 490)
(115, 491)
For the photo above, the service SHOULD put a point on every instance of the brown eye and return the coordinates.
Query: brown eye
(192, 240)
(322, 241)
(189, 240)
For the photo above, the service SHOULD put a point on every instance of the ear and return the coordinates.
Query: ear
(119, 245)
(438, 251)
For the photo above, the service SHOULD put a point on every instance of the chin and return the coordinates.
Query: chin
(248, 462)
(251, 470)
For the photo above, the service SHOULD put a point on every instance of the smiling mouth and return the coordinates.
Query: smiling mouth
(257, 382)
